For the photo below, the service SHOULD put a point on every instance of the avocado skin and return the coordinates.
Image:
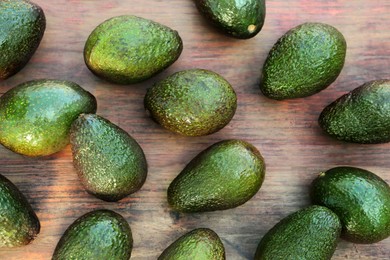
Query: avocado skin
(310, 233)
(201, 243)
(360, 198)
(360, 116)
(304, 61)
(109, 162)
(19, 225)
(193, 102)
(128, 49)
(22, 26)
(235, 18)
(224, 176)
(35, 116)
(99, 234)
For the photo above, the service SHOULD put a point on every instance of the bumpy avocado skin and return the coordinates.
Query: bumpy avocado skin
(201, 243)
(22, 26)
(224, 176)
(128, 49)
(310, 233)
(360, 116)
(35, 116)
(19, 225)
(360, 198)
(240, 19)
(304, 61)
(193, 102)
(109, 162)
(99, 234)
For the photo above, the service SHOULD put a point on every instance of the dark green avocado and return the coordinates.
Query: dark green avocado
(311, 233)
(128, 49)
(22, 26)
(304, 61)
(99, 234)
(109, 162)
(35, 117)
(224, 176)
(240, 19)
(360, 198)
(360, 116)
(18, 223)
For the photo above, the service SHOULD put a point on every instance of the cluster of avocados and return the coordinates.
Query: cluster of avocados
(41, 117)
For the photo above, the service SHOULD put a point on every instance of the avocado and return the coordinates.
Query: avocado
(224, 176)
(99, 234)
(128, 49)
(360, 198)
(109, 162)
(304, 61)
(22, 26)
(360, 116)
(192, 102)
(35, 116)
(308, 234)
(240, 19)
(18, 223)
(201, 243)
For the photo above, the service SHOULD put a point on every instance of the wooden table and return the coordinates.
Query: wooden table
(286, 132)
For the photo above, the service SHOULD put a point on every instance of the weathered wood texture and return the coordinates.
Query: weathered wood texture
(285, 132)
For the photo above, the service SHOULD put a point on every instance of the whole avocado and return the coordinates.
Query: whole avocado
(22, 26)
(19, 224)
(128, 49)
(201, 243)
(304, 61)
(240, 19)
(310, 233)
(109, 162)
(224, 176)
(360, 116)
(360, 198)
(35, 116)
(99, 234)
(192, 102)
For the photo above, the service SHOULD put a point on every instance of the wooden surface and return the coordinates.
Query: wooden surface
(286, 133)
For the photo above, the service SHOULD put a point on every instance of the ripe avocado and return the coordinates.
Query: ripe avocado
(240, 19)
(192, 102)
(201, 243)
(224, 176)
(128, 49)
(304, 61)
(22, 26)
(360, 198)
(35, 116)
(109, 162)
(310, 233)
(18, 223)
(360, 116)
(99, 234)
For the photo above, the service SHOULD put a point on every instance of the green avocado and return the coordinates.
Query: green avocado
(192, 102)
(18, 223)
(99, 234)
(308, 234)
(109, 162)
(360, 198)
(304, 61)
(35, 117)
(224, 176)
(360, 116)
(22, 26)
(241, 19)
(128, 49)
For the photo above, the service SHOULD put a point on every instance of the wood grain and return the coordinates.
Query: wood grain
(285, 132)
